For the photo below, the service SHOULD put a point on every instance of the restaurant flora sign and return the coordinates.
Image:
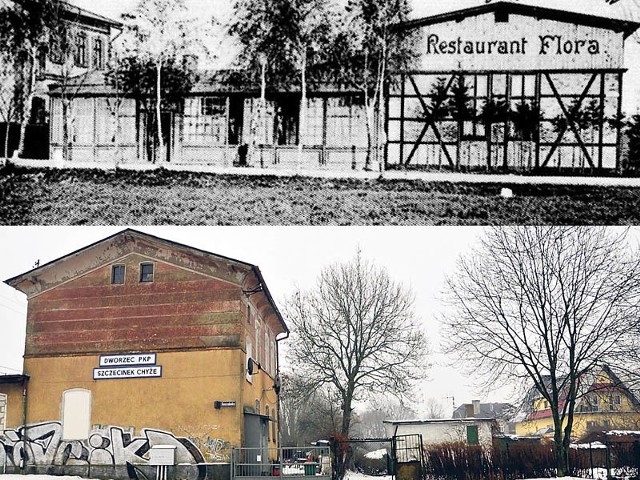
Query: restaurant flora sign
(135, 365)
(521, 43)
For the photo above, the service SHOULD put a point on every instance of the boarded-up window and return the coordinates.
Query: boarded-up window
(76, 414)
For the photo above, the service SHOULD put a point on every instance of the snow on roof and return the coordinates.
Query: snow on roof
(377, 454)
(588, 445)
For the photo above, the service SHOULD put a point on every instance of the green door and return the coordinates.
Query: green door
(472, 435)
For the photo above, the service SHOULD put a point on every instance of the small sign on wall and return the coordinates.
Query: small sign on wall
(154, 371)
(128, 359)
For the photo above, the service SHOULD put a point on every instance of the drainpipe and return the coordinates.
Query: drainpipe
(278, 398)
(25, 391)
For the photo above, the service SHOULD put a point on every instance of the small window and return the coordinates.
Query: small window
(117, 275)
(80, 54)
(98, 54)
(146, 272)
(618, 400)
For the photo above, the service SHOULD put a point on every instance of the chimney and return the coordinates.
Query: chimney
(468, 410)
(476, 407)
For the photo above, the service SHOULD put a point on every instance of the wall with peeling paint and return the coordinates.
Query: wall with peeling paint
(195, 316)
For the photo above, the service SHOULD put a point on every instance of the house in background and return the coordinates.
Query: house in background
(134, 342)
(472, 431)
(90, 36)
(501, 412)
(607, 404)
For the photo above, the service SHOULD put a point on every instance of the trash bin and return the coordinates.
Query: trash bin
(310, 468)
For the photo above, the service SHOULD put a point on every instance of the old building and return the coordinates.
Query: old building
(471, 431)
(513, 86)
(78, 43)
(134, 342)
(503, 85)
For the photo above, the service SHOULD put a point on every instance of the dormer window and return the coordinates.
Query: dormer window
(146, 272)
(117, 275)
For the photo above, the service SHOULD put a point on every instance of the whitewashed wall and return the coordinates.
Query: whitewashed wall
(434, 433)
(527, 44)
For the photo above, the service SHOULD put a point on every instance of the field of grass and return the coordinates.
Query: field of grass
(94, 197)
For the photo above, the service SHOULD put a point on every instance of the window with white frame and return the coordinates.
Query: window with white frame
(205, 121)
(76, 414)
(267, 353)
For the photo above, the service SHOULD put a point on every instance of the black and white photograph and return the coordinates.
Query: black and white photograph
(319, 112)
(319, 240)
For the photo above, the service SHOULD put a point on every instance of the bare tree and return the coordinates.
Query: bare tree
(545, 306)
(356, 331)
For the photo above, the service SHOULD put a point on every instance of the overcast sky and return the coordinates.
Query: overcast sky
(287, 256)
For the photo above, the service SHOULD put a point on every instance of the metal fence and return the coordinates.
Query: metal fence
(312, 461)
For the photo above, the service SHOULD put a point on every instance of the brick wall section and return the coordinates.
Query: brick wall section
(180, 309)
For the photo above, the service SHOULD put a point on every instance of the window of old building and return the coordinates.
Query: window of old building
(98, 54)
(80, 53)
(146, 272)
(117, 275)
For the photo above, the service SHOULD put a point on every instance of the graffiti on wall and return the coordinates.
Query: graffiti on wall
(208, 441)
(42, 444)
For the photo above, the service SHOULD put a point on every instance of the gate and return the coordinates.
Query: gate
(278, 463)
(408, 457)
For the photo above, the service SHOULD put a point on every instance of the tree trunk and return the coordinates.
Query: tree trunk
(303, 111)
(6, 138)
(30, 72)
(160, 156)
(65, 129)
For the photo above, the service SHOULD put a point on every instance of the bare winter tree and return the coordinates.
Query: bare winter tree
(356, 331)
(545, 306)
(306, 415)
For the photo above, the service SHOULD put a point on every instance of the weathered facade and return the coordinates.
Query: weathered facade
(135, 342)
(471, 431)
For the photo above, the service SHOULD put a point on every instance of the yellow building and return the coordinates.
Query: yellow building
(136, 342)
(608, 404)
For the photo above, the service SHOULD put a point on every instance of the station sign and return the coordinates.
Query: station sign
(128, 365)
(154, 371)
(128, 359)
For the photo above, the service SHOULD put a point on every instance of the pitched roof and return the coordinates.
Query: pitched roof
(624, 26)
(85, 259)
(85, 16)
(487, 410)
